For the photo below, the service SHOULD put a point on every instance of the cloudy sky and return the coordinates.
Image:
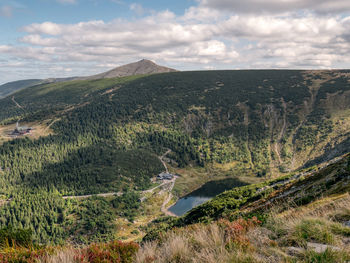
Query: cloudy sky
(59, 38)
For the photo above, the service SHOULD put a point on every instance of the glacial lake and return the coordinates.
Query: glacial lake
(203, 194)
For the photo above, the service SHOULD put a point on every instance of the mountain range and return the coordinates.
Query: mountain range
(86, 172)
(141, 67)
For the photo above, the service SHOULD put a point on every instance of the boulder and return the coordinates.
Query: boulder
(320, 248)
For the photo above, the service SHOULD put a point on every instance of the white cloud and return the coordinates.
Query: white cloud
(203, 37)
(186, 38)
(279, 6)
(48, 28)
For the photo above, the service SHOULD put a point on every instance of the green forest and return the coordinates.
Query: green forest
(108, 134)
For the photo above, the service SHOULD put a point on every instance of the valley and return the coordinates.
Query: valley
(243, 141)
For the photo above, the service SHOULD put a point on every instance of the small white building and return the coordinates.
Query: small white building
(165, 176)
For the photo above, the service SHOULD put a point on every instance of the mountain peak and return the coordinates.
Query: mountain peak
(144, 66)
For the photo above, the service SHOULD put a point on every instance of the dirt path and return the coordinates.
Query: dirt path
(88, 196)
(164, 207)
(161, 159)
(114, 193)
(17, 104)
(154, 188)
(48, 127)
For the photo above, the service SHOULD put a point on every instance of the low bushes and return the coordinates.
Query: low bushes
(113, 252)
(24, 255)
(10, 237)
(222, 241)
(16, 247)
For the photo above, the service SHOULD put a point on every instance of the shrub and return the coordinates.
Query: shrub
(23, 255)
(113, 252)
(313, 229)
(329, 256)
(235, 231)
(10, 237)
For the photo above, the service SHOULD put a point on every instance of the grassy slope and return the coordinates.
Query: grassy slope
(297, 211)
(296, 189)
(285, 237)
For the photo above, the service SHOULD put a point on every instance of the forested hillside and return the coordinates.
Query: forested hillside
(107, 134)
(14, 86)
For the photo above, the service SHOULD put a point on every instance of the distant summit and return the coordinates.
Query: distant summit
(141, 67)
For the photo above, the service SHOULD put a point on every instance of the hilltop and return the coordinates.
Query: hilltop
(142, 67)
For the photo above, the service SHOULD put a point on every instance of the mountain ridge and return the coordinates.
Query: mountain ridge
(142, 67)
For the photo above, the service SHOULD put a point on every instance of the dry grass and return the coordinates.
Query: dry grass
(247, 241)
(198, 244)
(61, 256)
(319, 222)
(206, 244)
(326, 208)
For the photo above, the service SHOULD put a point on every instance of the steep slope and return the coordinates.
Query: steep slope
(141, 67)
(301, 188)
(304, 217)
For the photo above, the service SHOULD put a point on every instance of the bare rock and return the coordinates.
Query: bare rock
(320, 248)
(295, 251)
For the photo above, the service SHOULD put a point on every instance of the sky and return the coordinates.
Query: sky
(62, 38)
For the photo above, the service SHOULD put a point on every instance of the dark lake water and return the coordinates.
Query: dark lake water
(203, 194)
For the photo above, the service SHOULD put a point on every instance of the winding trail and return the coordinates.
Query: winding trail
(15, 102)
(167, 186)
(164, 207)
(113, 193)
(161, 159)
(48, 127)
(88, 196)
(170, 182)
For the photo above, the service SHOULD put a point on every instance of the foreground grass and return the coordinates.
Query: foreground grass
(283, 237)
